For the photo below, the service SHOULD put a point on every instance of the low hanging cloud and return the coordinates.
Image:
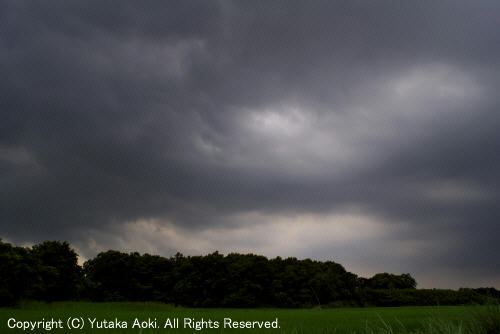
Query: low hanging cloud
(362, 133)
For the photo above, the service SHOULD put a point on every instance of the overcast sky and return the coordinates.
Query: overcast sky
(363, 132)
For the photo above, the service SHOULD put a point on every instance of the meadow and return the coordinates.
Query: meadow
(444, 319)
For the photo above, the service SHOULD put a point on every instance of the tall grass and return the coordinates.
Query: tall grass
(485, 321)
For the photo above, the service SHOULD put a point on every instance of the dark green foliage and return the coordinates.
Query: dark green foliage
(58, 269)
(422, 297)
(239, 280)
(116, 276)
(49, 271)
(247, 281)
(234, 280)
(390, 281)
(18, 274)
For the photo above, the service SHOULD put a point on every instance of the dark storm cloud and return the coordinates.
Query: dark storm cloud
(193, 114)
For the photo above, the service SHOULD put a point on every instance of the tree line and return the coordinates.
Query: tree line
(49, 271)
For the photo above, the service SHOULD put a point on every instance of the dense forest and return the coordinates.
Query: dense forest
(50, 272)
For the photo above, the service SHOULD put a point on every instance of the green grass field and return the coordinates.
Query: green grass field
(341, 320)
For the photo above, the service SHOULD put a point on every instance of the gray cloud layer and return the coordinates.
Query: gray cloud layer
(362, 132)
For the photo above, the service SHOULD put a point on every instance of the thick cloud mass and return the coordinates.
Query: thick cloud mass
(362, 132)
